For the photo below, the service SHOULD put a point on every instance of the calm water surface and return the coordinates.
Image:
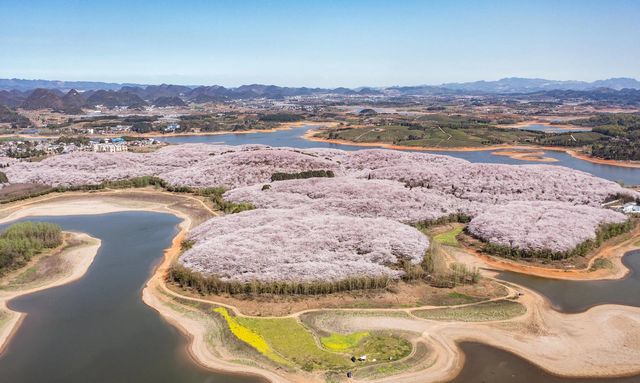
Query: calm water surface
(97, 329)
(486, 364)
(293, 138)
(577, 296)
(551, 128)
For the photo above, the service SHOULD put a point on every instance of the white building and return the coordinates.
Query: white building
(172, 127)
(110, 148)
(631, 208)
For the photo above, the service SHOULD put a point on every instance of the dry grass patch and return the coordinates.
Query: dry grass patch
(489, 311)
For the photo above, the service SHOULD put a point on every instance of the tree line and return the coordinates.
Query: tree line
(278, 176)
(213, 285)
(604, 233)
(23, 240)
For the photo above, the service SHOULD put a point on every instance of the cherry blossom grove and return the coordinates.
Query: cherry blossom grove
(298, 245)
(363, 208)
(554, 226)
(194, 165)
(498, 183)
(356, 197)
(203, 165)
(245, 168)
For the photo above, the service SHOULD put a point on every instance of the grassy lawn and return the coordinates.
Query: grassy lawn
(341, 343)
(250, 337)
(290, 339)
(382, 347)
(489, 311)
(453, 299)
(286, 341)
(449, 238)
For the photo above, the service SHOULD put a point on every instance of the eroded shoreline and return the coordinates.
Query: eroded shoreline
(539, 326)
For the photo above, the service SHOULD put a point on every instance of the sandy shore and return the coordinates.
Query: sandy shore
(603, 341)
(525, 155)
(310, 135)
(79, 258)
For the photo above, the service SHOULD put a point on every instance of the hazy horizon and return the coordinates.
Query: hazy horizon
(319, 44)
(297, 86)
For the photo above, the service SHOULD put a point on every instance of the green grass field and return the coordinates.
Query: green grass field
(342, 343)
(449, 238)
(286, 341)
(289, 338)
(250, 336)
(489, 311)
(453, 299)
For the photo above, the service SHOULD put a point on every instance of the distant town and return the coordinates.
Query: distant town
(596, 119)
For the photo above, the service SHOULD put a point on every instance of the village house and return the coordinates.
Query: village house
(110, 147)
(172, 128)
(631, 208)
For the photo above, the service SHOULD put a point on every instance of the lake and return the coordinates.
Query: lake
(551, 128)
(98, 329)
(576, 296)
(486, 364)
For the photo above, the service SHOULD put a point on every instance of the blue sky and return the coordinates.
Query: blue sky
(318, 43)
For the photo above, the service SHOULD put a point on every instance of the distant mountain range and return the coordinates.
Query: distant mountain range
(528, 85)
(505, 85)
(24, 85)
(71, 96)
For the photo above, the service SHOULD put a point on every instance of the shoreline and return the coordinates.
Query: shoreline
(574, 331)
(281, 126)
(80, 256)
(613, 252)
(71, 203)
(309, 135)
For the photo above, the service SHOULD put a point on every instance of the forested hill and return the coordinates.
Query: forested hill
(621, 132)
